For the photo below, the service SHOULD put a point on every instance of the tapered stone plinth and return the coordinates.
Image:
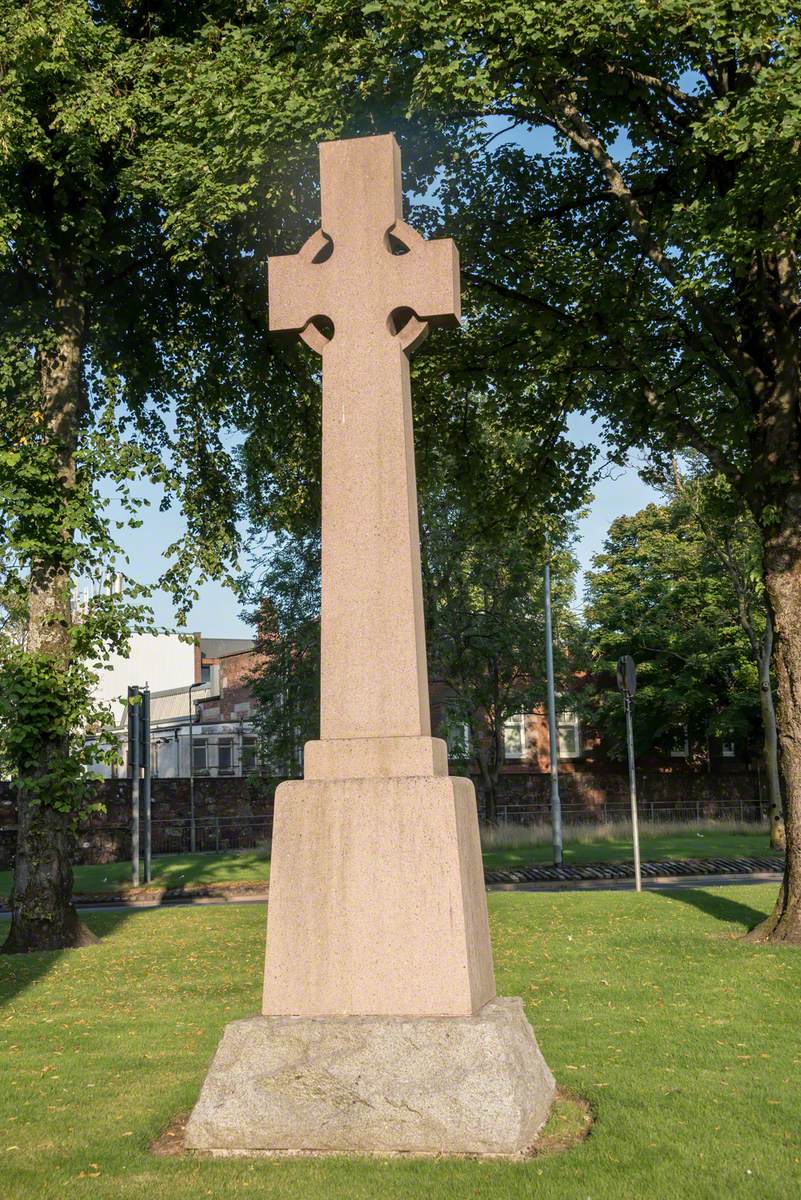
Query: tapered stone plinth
(377, 901)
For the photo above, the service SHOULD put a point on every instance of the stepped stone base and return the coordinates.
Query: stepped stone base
(424, 1085)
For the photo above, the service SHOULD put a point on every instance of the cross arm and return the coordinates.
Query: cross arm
(429, 277)
(298, 286)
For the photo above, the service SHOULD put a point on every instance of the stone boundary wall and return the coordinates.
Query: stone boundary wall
(238, 812)
(229, 813)
(669, 790)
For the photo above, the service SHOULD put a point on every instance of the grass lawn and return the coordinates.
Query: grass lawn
(173, 870)
(169, 870)
(686, 1042)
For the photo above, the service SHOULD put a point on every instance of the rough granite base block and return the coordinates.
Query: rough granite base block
(426, 1085)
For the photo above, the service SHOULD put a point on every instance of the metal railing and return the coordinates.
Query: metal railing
(211, 833)
(105, 843)
(666, 811)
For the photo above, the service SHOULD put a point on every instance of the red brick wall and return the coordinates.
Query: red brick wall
(229, 803)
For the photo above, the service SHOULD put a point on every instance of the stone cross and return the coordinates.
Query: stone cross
(380, 1029)
(376, 892)
(379, 302)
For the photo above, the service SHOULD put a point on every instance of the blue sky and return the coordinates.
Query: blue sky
(217, 612)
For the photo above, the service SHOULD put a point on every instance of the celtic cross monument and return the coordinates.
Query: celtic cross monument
(380, 1027)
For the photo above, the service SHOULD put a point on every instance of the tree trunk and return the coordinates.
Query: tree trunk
(489, 786)
(43, 916)
(783, 587)
(770, 744)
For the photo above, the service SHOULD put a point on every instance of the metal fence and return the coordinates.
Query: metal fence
(105, 843)
(211, 833)
(665, 811)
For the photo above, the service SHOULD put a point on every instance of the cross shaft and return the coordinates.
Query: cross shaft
(380, 303)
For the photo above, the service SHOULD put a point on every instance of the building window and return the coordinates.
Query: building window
(200, 756)
(568, 735)
(514, 736)
(250, 757)
(225, 756)
(680, 746)
(457, 737)
(728, 749)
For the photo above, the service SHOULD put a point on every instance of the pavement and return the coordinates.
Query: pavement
(657, 883)
(666, 874)
(650, 883)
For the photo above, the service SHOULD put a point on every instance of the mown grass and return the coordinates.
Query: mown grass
(170, 870)
(686, 1042)
(504, 846)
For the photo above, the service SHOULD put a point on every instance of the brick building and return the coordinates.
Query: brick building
(207, 719)
(220, 742)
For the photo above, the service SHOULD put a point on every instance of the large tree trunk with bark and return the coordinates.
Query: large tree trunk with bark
(43, 916)
(770, 743)
(783, 586)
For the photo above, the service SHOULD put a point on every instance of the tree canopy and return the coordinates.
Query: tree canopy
(658, 592)
(640, 238)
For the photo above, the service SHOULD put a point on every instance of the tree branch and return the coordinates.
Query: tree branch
(571, 123)
(655, 84)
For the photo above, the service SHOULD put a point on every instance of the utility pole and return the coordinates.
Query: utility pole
(553, 743)
(627, 683)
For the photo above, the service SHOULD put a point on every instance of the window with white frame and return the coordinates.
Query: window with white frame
(514, 736)
(249, 754)
(680, 746)
(568, 734)
(225, 756)
(457, 736)
(200, 756)
(728, 749)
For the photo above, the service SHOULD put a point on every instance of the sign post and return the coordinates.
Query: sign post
(135, 763)
(144, 722)
(627, 683)
(139, 762)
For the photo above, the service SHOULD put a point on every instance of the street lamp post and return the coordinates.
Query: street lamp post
(627, 683)
(556, 803)
(147, 786)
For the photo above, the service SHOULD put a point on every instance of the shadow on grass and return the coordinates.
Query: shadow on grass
(178, 874)
(722, 908)
(21, 971)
